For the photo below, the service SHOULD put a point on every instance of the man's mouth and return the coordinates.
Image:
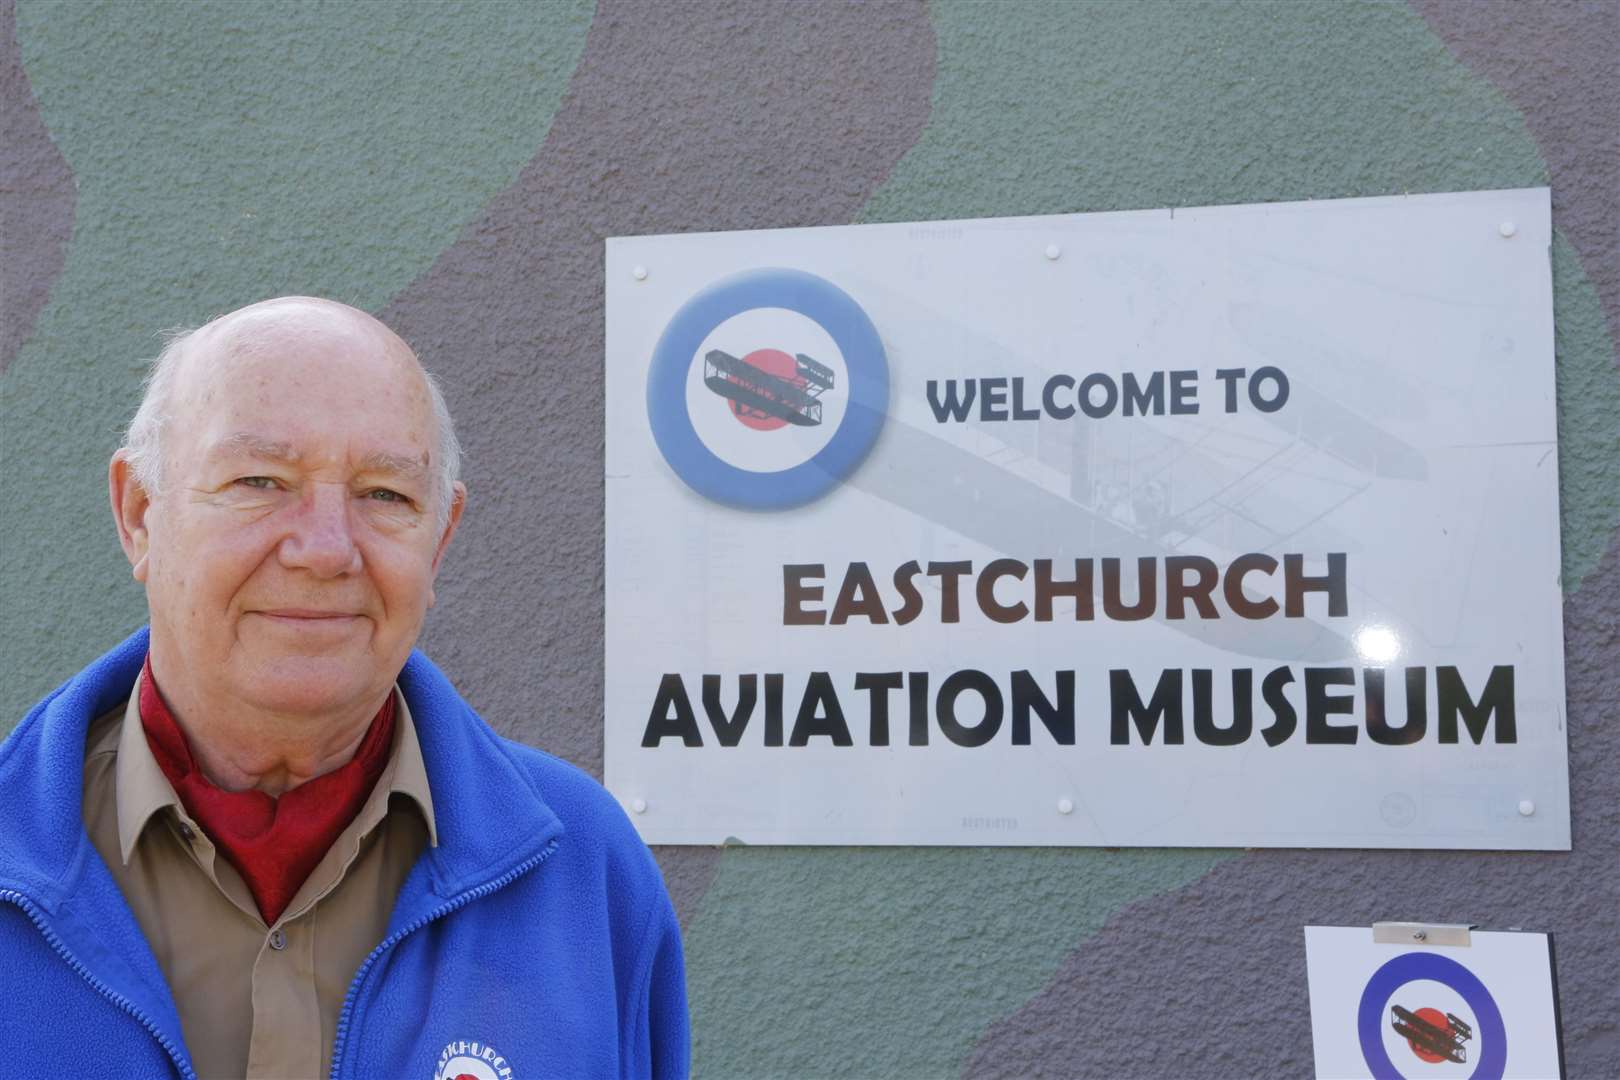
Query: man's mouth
(310, 617)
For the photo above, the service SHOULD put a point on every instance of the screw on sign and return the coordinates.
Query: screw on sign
(1434, 1036)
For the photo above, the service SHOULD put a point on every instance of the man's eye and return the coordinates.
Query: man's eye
(263, 483)
(384, 495)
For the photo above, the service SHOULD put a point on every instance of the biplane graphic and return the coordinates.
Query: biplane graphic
(756, 392)
(1431, 1040)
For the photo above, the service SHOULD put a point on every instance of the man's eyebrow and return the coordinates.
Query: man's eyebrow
(402, 464)
(245, 442)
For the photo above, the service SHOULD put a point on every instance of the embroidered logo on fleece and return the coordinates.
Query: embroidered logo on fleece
(465, 1059)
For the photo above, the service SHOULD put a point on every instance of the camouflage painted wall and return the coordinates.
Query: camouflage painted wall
(454, 168)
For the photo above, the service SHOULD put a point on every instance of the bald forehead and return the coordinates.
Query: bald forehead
(292, 322)
(236, 373)
(281, 341)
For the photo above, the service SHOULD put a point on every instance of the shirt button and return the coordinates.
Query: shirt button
(278, 940)
(187, 833)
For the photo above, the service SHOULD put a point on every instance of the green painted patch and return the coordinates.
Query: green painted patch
(1055, 108)
(1588, 417)
(226, 152)
(892, 962)
(861, 963)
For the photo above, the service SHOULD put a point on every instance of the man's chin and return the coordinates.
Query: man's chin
(313, 685)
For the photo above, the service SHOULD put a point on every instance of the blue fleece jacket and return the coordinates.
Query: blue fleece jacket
(536, 939)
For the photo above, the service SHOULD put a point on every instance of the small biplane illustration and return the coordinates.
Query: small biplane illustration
(754, 391)
(1431, 1037)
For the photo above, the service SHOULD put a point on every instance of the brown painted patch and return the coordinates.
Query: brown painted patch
(37, 188)
(1556, 60)
(679, 117)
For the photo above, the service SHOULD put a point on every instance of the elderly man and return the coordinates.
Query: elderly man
(268, 839)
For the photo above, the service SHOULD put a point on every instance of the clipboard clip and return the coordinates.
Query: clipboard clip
(1419, 933)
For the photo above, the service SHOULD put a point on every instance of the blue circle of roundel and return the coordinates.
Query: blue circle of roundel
(868, 374)
(1405, 968)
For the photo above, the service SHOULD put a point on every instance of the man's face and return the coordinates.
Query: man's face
(289, 559)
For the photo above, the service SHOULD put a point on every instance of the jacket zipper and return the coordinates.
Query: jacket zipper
(462, 900)
(36, 916)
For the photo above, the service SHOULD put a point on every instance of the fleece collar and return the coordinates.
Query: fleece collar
(489, 817)
(490, 820)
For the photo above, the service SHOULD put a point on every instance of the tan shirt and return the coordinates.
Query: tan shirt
(254, 1000)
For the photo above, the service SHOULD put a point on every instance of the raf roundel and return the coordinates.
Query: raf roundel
(1434, 1037)
(770, 391)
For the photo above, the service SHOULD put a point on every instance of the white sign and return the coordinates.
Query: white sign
(1484, 1011)
(1229, 526)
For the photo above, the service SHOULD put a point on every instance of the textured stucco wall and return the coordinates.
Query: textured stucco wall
(455, 167)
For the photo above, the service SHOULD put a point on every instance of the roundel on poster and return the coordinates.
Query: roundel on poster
(767, 389)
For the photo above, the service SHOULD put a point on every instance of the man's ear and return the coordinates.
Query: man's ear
(458, 503)
(130, 505)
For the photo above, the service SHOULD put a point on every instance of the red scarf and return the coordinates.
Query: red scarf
(273, 843)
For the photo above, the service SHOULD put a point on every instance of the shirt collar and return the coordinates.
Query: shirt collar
(142, 790)
(410, 771)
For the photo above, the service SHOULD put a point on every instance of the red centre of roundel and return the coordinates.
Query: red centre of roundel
(1438, 1019)
(772, 362)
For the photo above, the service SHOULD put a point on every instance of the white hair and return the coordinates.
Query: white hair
(143, 439)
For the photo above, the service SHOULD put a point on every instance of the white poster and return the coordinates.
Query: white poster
(1484, 1011)
(1233, 526)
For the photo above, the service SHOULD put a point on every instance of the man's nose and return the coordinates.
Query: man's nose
(320, 537)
